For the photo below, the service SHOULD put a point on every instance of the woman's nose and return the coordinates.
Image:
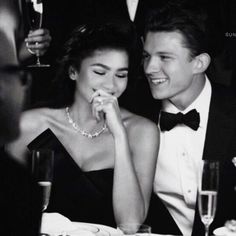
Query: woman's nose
(109, 84)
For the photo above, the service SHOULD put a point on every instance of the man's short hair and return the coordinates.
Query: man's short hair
(183, 19)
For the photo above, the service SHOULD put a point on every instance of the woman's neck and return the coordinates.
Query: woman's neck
(81, 113)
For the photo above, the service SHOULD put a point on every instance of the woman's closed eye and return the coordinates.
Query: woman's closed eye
(99, 72)
(122, 75)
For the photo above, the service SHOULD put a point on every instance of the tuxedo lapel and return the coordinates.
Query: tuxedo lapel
(220, 127)
(220, 133)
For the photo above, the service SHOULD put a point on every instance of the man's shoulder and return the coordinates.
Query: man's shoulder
(223, 95)
(222, 89)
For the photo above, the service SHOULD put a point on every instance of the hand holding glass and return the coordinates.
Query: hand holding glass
(34, 9)
(42, 169)
(207, 194)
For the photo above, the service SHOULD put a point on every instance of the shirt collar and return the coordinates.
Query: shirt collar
(201, 104)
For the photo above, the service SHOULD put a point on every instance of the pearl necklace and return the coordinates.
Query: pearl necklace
(81, 131)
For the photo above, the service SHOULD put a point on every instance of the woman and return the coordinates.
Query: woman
(105, 155)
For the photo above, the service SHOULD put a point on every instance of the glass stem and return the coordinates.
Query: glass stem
(38, 60)
(206, 230)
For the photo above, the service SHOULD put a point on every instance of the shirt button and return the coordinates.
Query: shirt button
(189, 191)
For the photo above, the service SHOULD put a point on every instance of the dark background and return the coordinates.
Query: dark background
(60, 17)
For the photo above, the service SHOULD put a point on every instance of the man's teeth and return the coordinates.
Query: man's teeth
(158, 81)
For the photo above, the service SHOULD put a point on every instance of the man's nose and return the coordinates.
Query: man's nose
(152, 66)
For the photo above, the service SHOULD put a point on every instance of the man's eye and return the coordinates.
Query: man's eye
(165, 58)
(145, 56)
(99, 72)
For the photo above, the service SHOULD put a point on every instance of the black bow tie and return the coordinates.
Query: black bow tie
(170, 120)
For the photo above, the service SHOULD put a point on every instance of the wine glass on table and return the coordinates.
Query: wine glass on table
(34, 10)
(207, 192)
(42, 170)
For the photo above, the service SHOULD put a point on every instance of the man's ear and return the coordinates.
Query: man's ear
(73, 74)
(201, 63)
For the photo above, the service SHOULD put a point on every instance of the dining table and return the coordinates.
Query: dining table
(55, 224)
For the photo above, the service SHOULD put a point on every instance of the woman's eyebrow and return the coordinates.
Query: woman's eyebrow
(108, 68)
(101, 65)
(123, 69)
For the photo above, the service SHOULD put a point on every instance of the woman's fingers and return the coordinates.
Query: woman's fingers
(100, 93)
(98, 110)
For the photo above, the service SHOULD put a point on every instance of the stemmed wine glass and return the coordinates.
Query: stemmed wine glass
(207, 192)
(42, 170)
(34, 10)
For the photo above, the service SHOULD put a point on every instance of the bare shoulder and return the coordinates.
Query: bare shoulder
(140, 128)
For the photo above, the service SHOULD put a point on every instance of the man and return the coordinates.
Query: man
(175, 61)
(20, 209)
(21, 205)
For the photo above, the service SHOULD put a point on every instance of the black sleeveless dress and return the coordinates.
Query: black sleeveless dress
(79, 195)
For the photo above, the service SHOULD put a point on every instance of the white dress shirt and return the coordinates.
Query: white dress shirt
(132, 8)
(179, 162)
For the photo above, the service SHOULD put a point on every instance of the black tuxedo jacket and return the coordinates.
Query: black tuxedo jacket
(20, 207)
(220, 144)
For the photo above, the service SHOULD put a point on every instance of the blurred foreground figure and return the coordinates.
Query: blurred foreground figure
(20, 208)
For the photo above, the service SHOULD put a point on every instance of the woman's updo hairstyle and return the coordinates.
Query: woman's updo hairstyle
(83, 42)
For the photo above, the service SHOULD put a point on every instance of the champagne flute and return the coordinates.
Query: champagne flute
(207, 192)
(34, 9)
(42, 169)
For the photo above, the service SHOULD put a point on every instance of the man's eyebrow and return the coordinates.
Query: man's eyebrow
(160, 53)
(145, 52)
(166, 53)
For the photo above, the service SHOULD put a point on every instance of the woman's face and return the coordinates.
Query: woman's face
(106, 69)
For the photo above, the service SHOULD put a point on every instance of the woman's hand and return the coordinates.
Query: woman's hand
(38, 40)
(105, 105)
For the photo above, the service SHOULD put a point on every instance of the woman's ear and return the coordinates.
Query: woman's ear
(73, 74)
(201, 63)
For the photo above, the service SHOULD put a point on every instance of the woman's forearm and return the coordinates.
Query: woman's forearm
(128, 202)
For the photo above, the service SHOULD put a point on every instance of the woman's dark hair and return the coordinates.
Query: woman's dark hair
(83, 42)
(188, 20)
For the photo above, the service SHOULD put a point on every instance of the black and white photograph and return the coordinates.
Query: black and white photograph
(118, 117)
